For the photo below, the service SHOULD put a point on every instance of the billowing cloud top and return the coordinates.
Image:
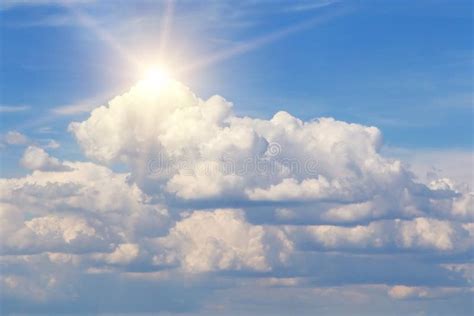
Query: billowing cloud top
(216, 199)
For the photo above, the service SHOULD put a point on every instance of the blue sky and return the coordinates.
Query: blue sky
(404, 67)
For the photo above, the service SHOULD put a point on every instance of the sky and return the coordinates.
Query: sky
(236, 157)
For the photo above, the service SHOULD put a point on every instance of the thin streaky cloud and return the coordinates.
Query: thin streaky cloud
(78, 107)
(74, 108)
(13, 108)
(8, 4)
(260, 41)
(45, 130)
(55, 20)
(83, 105)
(310, 6)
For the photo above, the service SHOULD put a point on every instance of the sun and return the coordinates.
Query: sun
(157, 75)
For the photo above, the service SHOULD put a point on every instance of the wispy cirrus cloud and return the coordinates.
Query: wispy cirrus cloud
(81, 106)
(7, 4)
(75, 108)
(13, 108)
(304, 6)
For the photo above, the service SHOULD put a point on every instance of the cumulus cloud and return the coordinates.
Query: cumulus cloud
(36, 158)
(15, 138)
(61, 233)
(123, 254)
(52, 144)
(223, 240)
(195, 149)
(402, 292)
(84, 209)
(176, 143)
(455, 164)
(211, 193)
(419, 234)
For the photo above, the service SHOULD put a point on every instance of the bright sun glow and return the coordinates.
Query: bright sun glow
(157, 76)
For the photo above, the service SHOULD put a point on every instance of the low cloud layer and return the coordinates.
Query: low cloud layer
(223, 201)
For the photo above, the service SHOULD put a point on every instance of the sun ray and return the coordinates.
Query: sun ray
(205, 61)
(258, 42)
(90, 23)
(165, 27)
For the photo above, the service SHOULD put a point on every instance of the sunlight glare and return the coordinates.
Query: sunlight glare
(157, 76)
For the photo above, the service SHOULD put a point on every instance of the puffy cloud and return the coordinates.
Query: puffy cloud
(52, 144)
(199, 185)
(461, 207)
(418, 234)
(59, 233)
(299, 187)
(181, 128)
(178, 144)
(39, 278)
(87, 208)
(291, 189)
(67, 229)
(429, 165)
(22, 287)
(142, 119)
(123, 254)
(466, 269)
(402, 292)
(223, 240)
(36, 158)
(15, 138)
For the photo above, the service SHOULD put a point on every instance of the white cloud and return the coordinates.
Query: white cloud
(35, 158)
(402, 292)
(60, 233)
(466, 269)
(45, 130)
(52, 144)
(123, 254)
(310, 193)
(298, 7)
(86, 208)
(13, 3)
(175, 142)
(15, 138)
(76, 108)
(12, 109)
(430, 164)
(418, 234)
(223, 240)
(65, 228)
(291, 189)
(175, 126)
